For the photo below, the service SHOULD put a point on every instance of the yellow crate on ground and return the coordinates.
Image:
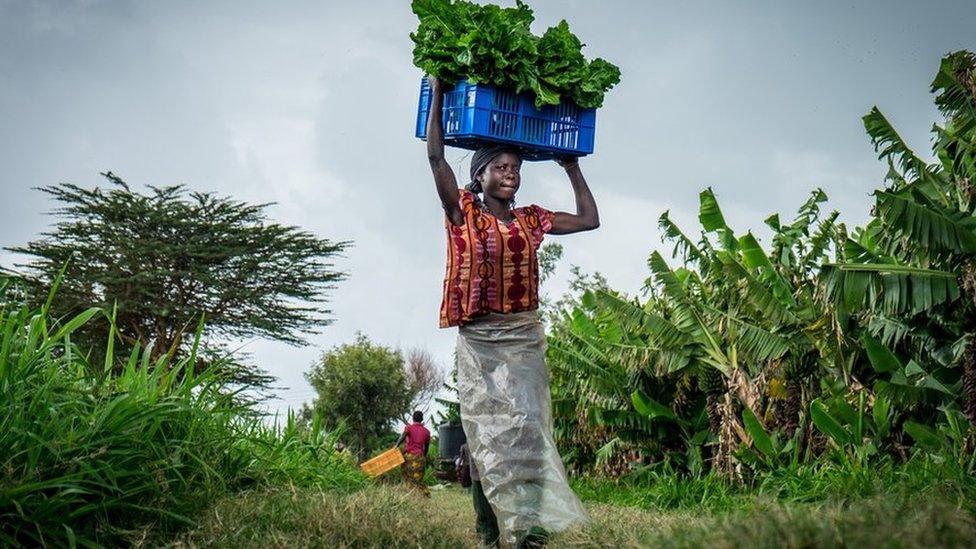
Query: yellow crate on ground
(382, 463)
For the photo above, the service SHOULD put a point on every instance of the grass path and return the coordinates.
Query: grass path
(388, 516)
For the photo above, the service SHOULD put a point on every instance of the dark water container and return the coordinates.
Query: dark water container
(450, 438)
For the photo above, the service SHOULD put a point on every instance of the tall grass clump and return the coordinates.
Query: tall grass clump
(92, 453)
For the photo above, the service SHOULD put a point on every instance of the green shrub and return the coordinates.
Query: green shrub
(86, 454)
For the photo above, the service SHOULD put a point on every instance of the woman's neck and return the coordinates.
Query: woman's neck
(498, 208)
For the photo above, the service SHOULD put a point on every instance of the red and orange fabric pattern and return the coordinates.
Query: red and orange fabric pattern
(491, 265)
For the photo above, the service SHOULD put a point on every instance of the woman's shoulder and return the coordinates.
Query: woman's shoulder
(532, 210)
(537, 217)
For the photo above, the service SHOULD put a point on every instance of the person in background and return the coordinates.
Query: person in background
(417, 439)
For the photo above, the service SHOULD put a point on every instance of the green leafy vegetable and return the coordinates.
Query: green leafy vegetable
(494, 45)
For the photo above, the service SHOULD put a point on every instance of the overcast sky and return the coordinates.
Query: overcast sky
(312, 105)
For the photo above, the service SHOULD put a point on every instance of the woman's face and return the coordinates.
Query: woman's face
(500, 178)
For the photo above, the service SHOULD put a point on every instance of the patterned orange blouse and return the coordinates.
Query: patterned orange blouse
(492, 265)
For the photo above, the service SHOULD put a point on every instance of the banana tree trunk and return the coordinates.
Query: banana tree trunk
(730, 434)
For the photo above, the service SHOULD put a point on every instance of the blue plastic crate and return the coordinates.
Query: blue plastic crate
(476, 114)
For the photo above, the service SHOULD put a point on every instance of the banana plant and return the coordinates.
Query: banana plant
(858, 431)
(694, 431)
(909, 276)
(949, 438)
(767, 449)
(593, 416)
(732, 309)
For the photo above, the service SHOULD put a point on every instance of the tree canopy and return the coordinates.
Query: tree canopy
(165, 258)
(363, 386)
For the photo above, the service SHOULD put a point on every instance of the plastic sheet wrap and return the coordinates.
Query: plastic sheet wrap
(503, 385)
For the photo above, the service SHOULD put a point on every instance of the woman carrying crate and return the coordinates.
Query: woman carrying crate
(491, 292)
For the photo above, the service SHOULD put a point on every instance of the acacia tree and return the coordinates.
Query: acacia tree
(164, 259)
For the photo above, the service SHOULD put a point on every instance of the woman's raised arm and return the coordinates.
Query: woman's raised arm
(447, 187)
(586, 217)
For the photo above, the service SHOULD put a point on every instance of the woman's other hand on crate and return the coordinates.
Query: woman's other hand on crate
(568, 162)
(586, 217)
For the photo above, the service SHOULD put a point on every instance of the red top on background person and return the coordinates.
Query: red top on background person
(416, 435)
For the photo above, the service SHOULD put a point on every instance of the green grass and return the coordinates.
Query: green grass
(90, 453)
(882, 521)
(924, 502)
(388, 515)
(818, 482)
(384, 515)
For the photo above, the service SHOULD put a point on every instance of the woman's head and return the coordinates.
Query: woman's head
(495, 172)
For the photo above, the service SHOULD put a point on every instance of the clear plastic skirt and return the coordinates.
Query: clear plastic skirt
(506, 411)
